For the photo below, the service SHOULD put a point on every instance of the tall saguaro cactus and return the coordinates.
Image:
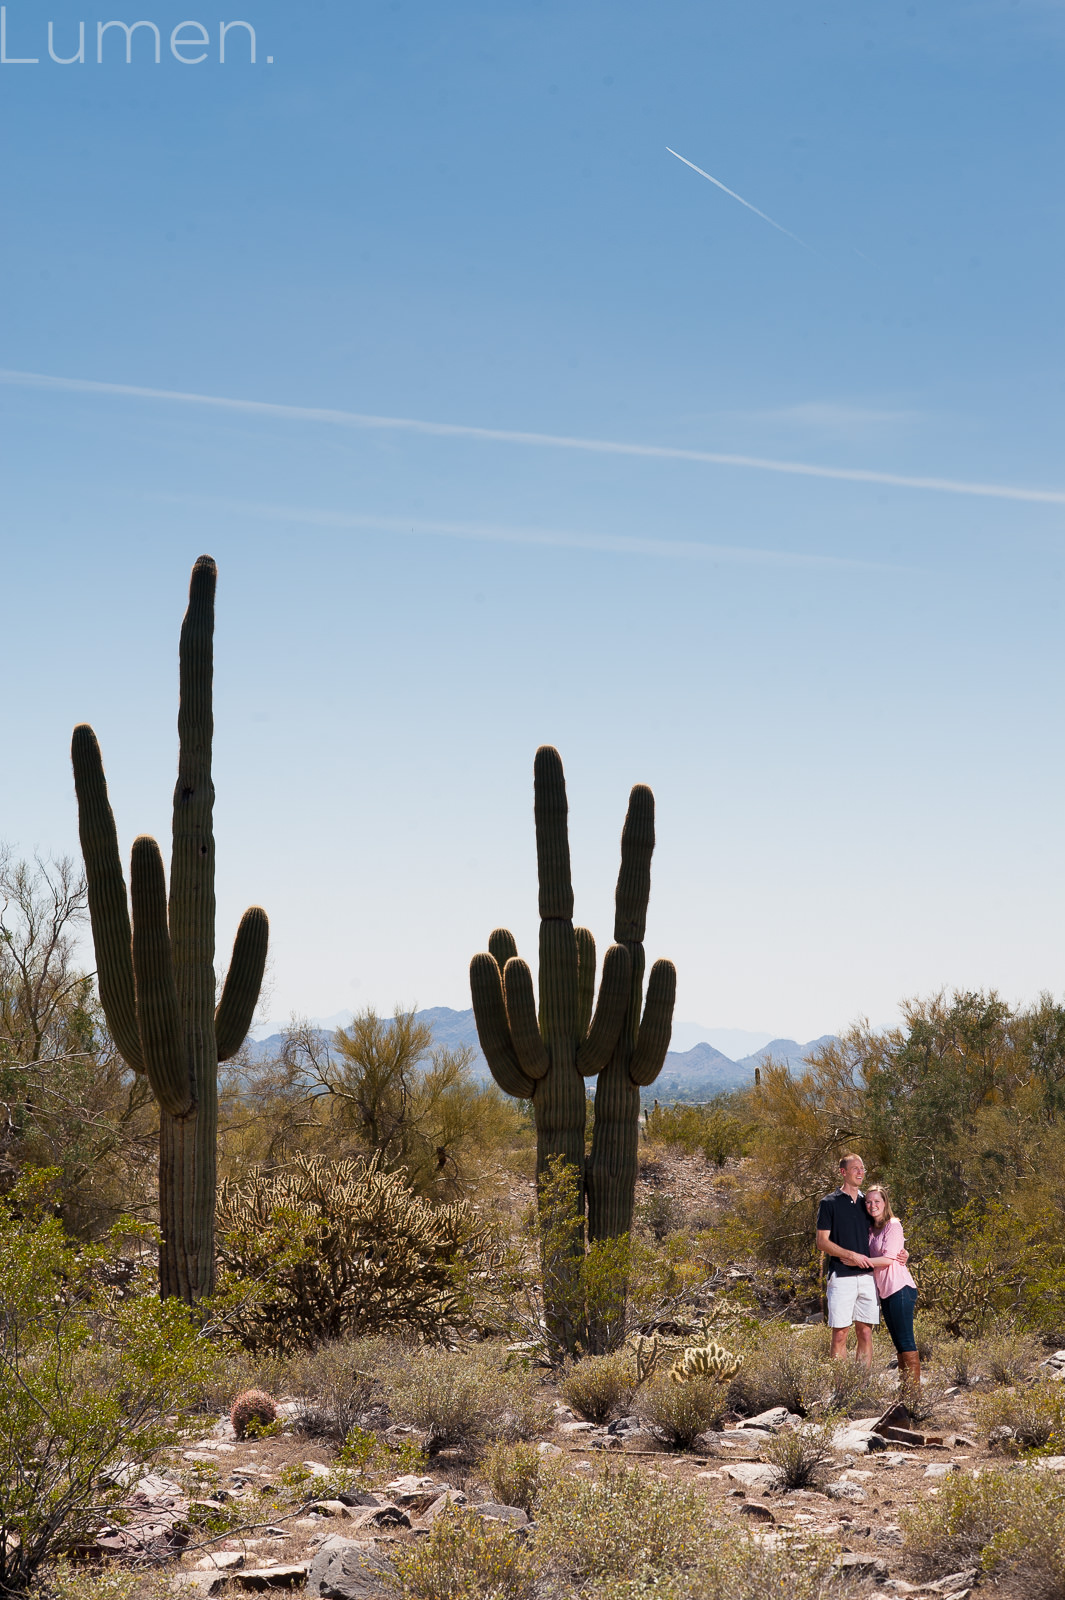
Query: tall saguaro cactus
(642, 1043)
(545, 1057)
(156, 978)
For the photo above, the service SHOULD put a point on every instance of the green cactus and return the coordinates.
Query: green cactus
(641, 1047)
(705, 1361)
(157, 980)
(545, 1055)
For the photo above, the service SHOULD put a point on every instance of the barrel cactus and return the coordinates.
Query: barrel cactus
(156, 973)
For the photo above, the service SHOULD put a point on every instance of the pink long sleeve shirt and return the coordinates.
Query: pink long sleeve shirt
(888, 1241)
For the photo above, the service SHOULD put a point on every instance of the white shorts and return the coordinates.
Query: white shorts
(852, 1298)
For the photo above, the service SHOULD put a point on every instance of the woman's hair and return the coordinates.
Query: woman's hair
(878, 1188)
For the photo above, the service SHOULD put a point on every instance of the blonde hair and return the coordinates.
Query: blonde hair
(878, 1188)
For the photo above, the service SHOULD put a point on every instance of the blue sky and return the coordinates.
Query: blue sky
(845, 692)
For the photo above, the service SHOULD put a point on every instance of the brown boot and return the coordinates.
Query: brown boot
(909, 1370)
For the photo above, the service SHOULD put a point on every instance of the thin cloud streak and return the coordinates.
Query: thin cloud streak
(496, 533)
(456, 430)
(734, 196)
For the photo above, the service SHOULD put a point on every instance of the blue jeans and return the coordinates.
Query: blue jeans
(897, 1311)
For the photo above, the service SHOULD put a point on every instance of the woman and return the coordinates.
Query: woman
(894, 1285)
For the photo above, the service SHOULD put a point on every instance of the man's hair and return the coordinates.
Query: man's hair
(851, 1155)
(878, 1188)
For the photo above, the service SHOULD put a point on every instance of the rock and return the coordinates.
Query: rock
(856, 1564)
(546, 1449)
(940, 1469)
(892, 1458)
(624, 1425)
(221, 1561)
(640, 1439)
(770, 1421)
(953, 1581)
(410, 1484)
(317, 1469)
(1050, 1464)
(604, 1441)
(840, 1490)
(291, 1576)
(860, 1437)
(359, 1497)
(753, 1508)
(752, 1474)
(331, 1508)
(346, 1570)
(379, 1517)
(889, 1534)
(576, 1427)
(450, 1497)
(1000, 1435)
(492, 1511)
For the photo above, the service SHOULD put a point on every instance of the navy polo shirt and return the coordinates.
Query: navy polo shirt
(847, 1222)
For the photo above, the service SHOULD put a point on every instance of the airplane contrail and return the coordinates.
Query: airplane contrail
(514, 436)
(739, 197)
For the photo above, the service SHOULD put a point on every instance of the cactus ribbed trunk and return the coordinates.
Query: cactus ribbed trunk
(156, 974)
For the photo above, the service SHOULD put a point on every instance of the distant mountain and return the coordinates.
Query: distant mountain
(701, 1070)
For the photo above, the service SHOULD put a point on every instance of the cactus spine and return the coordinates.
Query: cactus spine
(156, 978)
(545, 1056)
(641, 1046)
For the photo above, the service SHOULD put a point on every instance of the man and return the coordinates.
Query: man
(843, 1236)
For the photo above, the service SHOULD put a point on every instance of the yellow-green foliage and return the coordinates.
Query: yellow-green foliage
(345, 1248)
(1035, 1416)
(1011, 1523)
(465, 1558)
(515, 1473)
(617, 1524)
(678, 1412)
(598, 1385)
(711, 1130)
(468, 1398)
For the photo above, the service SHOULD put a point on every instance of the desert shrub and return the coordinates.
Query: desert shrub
(781, 1368)
(339, 1384)
(731, 1564)
(467, 1399)
(708, 1129)
(367, 1455)
(660, 1215)
(1012, 1523)
(465, 1558)
(88, 1375)
(845, 1386)
(598, 1385)
(1007, 1357)
(253, 1407)
(678, 1412)
(1035, 1416)
(928, 1337)
(65, 1581)
(958, 1359)
(802, 1456)
(515, 1473)
(922, 1400)
(345, 1248)
(616, 1525)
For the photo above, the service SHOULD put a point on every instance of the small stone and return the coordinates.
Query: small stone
(752, 1508)
(221, 1561)
(841, 1490)
(859, 1565)
(770, 1420)
(546, 1449)
(292, 1576)
(1051, 1464)
(492, 1511)
(940, 1469)
(752, 1474)
(345, 1570)
(576, 1427)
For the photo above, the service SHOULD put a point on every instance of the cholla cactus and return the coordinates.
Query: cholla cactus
(705, 1361)
(254, 1405)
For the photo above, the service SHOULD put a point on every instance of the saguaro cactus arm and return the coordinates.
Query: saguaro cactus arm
(585, 979)
(158, 1011)
(657, 1024)
(609, 1018)
(521, 1014)
(108, 906)
(240, 992)
(493, 1029)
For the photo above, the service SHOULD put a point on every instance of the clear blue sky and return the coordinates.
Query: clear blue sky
(845, 693)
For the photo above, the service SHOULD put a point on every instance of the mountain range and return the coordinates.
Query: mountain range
(700, 1069)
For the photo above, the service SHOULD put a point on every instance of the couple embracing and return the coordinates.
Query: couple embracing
(863, 1242)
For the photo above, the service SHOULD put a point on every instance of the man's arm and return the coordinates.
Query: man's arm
(850, 1258)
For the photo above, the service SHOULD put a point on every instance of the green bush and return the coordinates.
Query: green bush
(467, 1398)
(1012, 1523)
(707, 1129)
(338, 1384)
(67, 1582)
(344, 1248)
(465, 1558)
(1007, 1358)
(1035, 1416)
(678, 1412)
(88, 1376)
(734, 1565)
(515, 1473)
(616, 1525)
(780, 1368)
(598, 1385)
(959, 1360)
